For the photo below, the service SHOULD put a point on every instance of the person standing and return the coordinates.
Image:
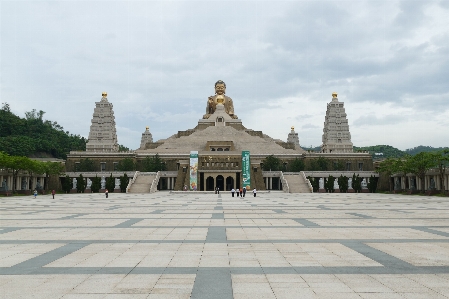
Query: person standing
(106, 192)
(244, 191)
(218, 190)
(232, 192)
(35, 193)
(238, 192)
(254, 192)
(241, 192)
(53, 192)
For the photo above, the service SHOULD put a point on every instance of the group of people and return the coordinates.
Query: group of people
(242, 192)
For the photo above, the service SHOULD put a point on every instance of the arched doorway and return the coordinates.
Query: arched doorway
(210, 184)
(229, 183)
(220, 182)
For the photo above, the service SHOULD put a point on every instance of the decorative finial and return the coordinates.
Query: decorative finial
(104, 94)
(293, 128)
(334, 94)
(147, 128)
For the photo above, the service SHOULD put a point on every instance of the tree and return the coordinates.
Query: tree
(86, 165)
(110, 183)
(329, 184)
(441, 159)
(338, 165)
(67, 184)
(153, 164)
(372, 184)
(420, 164)
(296, 165)
(80, 184)
(16, 164)
(320, 164)
(356, 183)
(126, 164)
(124, 181)
(52, 168)
(343, 183)
(96, 184)
(402, 166)
(272, 163)
(388, 166)
(122, 148)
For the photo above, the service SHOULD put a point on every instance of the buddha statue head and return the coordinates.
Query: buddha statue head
(220, 87)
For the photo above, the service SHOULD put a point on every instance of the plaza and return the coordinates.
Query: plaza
(205, 245)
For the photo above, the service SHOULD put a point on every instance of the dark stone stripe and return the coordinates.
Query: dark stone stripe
(129, 222)
(8, 230)
(431, 231)
(212, 283)
(156, 212)
(279, 211)
(70, 216)
(34, 265)
(217, 216)
(379, 256)
(216, 234)
(306, 222)
(361, 215)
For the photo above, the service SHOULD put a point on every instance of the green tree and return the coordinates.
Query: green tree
(343, 183)
(372, 184)
(153, 164)
(272, 163)
(110, 183)
(320, 164)
(388, 167)
(80, 184)
(16, 164)
(420, 163)
(122, 148)
(296, 165)
(126, 164)
(124, 181)
(441, 159)
(67, 184)
(86, 165)
(52, 168)
(96, 184)
(356, 183)
(329, 184)
(339, 165)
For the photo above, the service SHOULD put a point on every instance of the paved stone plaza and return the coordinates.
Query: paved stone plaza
(192, 245)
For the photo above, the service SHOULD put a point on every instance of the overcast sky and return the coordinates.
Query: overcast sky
(281, 60)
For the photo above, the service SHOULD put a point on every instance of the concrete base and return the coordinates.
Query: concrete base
(351, 191)
(26, 192)
(365, 191)
(432, 192)
(117, 191)
(321, 190)
(336, 190)
(73, 191)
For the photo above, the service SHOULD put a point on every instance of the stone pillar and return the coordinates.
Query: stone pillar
(271, 183)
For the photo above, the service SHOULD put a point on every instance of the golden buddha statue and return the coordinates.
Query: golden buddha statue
(219, 99)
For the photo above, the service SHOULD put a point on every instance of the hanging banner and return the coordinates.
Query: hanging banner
(193, 170)
(246, 170)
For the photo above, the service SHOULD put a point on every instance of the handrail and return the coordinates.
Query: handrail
(307, 181)
(285, 186)
(132, 181)
(155, 182)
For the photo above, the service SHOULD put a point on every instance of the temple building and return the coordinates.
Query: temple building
(336, 136)
(219, 152)
(103, 135)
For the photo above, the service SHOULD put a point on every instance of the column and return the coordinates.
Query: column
(271, 183)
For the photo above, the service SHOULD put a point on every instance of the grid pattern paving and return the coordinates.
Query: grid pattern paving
(198, 245)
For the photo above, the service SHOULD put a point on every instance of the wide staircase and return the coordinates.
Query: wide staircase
(142, 183)
(297, 183)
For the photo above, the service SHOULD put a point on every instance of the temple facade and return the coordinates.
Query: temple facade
(219, 139)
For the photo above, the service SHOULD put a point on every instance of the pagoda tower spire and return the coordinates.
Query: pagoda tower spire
(336, 136)
(103, 134)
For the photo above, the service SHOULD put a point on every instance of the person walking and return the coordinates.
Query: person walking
(254, 192)
(218, 190)
(244, 191)
(238, 192)
(35, 193)
(241, 192)
(53, 192)
(232, 192)
(106, 192)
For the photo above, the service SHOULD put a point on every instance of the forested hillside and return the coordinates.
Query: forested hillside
(33, 136)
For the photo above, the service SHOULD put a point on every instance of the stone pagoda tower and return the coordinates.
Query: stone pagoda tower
(146, 137)
(293, 138)
(336, 136)
(102, 135)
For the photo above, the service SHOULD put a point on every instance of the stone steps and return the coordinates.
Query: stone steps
(142, 184)
(297, 183)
